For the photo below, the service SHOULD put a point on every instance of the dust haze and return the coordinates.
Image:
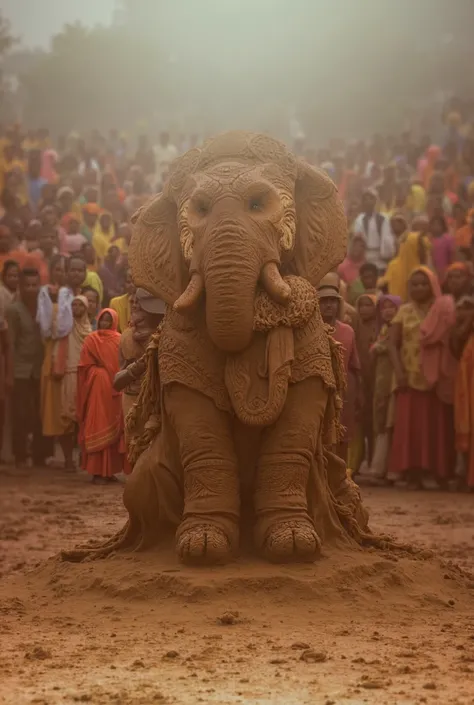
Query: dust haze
(324, 68)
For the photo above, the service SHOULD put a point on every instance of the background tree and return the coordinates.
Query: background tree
(345, 67)
(6, 42)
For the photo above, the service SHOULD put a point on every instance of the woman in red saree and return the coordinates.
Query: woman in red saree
(99, 407)
(425, 371)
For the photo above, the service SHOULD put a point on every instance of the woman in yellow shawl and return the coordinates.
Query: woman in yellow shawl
(413, 250)
(104, 233)
(122, 304)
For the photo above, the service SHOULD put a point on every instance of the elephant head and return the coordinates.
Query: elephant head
(237, 213)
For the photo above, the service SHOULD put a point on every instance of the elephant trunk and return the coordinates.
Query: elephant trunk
(231, 273)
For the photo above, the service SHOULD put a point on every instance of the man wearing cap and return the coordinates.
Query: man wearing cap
(375, 229)
(147, 314)
(330, 305)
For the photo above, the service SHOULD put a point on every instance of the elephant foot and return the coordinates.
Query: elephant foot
(295, 541)
(203, 545)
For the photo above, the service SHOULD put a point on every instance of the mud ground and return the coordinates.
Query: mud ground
(357, 627)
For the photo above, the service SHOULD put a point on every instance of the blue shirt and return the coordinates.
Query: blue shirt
(34, 190)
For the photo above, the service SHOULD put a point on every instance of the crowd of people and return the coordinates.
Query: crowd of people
(401, 304)
(67, 300)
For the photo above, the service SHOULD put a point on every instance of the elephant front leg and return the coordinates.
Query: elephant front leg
(284, 530)
(209, 531)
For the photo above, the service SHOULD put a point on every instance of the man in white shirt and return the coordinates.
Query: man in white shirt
(164, 153)
(375, 228)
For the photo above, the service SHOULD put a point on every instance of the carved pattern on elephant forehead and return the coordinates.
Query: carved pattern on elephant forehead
(180, 169)
(234, 146)
(267, 149)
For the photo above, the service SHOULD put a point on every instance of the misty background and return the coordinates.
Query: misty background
(327, 68)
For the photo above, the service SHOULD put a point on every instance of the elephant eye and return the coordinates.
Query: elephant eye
(201, 208)
(256, 203)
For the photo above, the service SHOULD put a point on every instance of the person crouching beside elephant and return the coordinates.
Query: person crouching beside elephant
(249, 385)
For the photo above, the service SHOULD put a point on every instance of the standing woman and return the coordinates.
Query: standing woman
(66, 360)
(419, 349)
(54, 316)
(99, 407)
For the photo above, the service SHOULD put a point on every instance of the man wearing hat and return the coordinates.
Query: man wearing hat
(330, 305)
(147, 314)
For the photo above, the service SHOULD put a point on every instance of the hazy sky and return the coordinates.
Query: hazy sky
(35, 21)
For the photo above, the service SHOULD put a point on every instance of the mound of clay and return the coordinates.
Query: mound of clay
(355, 577)
(137, 629)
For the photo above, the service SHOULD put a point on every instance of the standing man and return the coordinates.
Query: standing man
(330, 307)
(27, 350)
(375, 228)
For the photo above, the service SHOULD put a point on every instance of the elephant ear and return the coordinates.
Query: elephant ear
(321, 226)
(155, 254)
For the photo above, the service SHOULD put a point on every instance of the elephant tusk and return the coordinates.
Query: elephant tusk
(191, 295)
(274, 285)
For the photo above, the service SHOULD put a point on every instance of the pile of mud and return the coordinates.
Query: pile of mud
(365, 578)
(357, 626)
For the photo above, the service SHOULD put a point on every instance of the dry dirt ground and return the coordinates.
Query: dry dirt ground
(357, 627)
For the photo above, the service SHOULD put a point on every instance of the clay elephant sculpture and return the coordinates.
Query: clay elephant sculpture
(246, 379)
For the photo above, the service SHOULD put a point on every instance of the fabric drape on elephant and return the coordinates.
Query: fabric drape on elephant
(143, 421)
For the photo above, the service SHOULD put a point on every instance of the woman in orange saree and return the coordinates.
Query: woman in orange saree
(99, 407)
